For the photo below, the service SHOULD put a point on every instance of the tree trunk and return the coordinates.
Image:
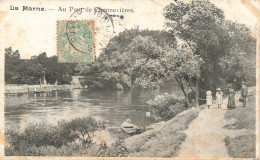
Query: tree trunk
(197, 93)
(183, 91)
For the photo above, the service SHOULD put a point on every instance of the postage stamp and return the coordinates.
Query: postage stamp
(76, 41)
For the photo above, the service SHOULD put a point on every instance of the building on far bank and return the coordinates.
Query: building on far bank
(78, 82)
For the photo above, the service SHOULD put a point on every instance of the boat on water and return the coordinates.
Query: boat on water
(130, 128)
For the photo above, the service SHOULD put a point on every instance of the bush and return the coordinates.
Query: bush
(81, 128)
(37, 137)
(72, 149)
(166, 106)
(117, 149)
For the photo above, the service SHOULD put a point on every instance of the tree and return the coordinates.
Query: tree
(202, 26)
(182, 65)
(29, 71)
(12, 62)
(146, 71)
(131, 60)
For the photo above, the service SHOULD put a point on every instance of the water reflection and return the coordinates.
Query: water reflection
(75, 94)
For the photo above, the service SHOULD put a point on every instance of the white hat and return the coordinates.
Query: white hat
(208, 92)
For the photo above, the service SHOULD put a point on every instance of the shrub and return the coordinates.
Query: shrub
(36, 137)
(166, 106)
(81, 128)
(72, 149)
(117, 149)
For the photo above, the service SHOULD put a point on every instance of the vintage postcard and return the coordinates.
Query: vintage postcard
(153, 79)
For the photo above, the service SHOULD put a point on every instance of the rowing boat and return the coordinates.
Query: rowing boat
(130, 128)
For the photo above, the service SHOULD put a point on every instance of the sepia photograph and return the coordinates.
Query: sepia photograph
(137, 79)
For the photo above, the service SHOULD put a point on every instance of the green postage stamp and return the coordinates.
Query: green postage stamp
(76, 41)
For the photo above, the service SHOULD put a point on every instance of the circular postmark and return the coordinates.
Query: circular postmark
(80, 35)
(104, 25)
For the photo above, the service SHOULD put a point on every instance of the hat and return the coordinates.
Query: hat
(208, 93)
(218, 89)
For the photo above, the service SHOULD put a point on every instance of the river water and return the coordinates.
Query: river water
(109, 106)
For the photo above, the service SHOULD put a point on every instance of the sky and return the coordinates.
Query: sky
(35, 32)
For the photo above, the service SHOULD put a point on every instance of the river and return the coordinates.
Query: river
(109, 106)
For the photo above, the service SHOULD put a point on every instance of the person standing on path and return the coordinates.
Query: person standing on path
(244, 93)
(219, 99)
(209, 98)
(231, 99)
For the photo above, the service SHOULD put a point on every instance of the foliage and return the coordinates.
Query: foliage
(144, 63)
(82, 129)
(42, 135)
(182, 65)
(131, 60)
(29, 71)
(117, 149)
(72, 149)
(12, 60)
(166, 106)
(202, 26)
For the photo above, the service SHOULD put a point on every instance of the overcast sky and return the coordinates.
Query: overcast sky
(35, 32)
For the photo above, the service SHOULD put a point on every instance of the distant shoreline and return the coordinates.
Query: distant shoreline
(24, 89)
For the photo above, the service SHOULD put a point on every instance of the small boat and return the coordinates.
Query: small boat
(130, 128)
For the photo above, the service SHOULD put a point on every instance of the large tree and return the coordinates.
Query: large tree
(183, 66)
(203, 28)
(131, 60)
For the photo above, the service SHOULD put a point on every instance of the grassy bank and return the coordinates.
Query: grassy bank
(241, 146)
(244, 118)
(165, 139)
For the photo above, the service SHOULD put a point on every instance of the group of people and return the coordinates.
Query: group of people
(231, 97)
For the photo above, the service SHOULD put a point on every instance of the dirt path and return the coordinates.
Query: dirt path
(205, 135)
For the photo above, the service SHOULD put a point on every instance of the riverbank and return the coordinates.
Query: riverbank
(201, 133)
(24, 89)
(164, 139)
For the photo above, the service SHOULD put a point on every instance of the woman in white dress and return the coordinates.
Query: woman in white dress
(219, 99)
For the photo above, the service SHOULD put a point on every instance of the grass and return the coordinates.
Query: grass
(245, 117)
(165, 140)
(242, 146)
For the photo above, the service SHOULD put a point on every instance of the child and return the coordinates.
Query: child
(219, 99)
(128, 119)
(209, 98)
